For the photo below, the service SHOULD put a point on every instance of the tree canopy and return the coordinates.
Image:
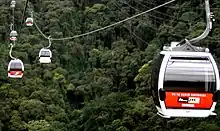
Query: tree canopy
(100, 81)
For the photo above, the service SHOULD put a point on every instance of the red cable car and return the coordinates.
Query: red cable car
(185, 84)
(13, 35)
(29, 21)
(15, 69)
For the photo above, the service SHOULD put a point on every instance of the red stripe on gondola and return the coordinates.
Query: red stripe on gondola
(14, 72)
(188, 100)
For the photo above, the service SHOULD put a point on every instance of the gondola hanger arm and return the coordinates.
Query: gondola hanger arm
(209, 19)
(10, 52)
(11, 26)
(49, 39)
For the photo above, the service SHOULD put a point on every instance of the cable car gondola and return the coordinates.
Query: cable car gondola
(45, 55)
(185, 78)
(15, 68)
(185, 84)
(13, 2)
(13, 35)
(29, 21)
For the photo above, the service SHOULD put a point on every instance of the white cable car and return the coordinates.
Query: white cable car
(185, 84)
(29, 21)
(13, 35)
(15, 69)
(13, 2)
(45, 55)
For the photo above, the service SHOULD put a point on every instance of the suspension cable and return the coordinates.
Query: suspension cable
(126, 3)
(129, 29)
(40, 31)
(13, 3)
(23, 15)
(25, 8)
(13, 18)
(103, 28)
(13, 13)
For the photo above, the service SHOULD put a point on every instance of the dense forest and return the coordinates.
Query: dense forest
(98, 82)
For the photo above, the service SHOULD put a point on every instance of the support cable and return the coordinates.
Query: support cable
(23, 15)
(103, 28)
(129, 29)
(13, 3)
(25, 8)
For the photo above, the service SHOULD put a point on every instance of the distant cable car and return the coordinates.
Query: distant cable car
(29, 21)
(15, 69)
(13, 35)
(185, 84)
(13, 2)
(45, 55)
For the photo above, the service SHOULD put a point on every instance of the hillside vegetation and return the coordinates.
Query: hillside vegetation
(99, 82)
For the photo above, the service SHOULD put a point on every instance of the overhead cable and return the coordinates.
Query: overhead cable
(103, 28)
(23, 15)
(129, 29)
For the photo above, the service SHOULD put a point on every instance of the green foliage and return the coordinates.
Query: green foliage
(40, 125)
(100, 81)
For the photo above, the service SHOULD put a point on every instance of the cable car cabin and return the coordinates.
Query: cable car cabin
(13, 2)
(185, 84)
(13, 35)
(29, 21)
(15, 69)
(45, 56)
